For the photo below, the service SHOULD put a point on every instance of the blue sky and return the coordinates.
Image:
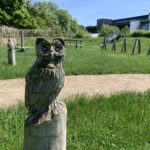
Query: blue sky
(86, 12)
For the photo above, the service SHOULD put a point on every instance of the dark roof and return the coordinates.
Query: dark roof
(133, 18)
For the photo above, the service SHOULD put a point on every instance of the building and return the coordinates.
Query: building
(134, 23)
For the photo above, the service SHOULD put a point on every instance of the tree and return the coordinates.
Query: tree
(22, 19)
(74, 26)
(4, 17)
(44, 15)
(63, 20)
(14, 13)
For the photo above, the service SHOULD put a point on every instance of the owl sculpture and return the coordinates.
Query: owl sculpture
(45, 79)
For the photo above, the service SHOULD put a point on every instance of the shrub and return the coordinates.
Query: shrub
(108, 30)
(125, 31)
(81, 34)
(141, 33)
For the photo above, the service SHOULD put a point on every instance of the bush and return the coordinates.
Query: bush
(141, 33)
(81, 34)
(108, 30)
(125, 31)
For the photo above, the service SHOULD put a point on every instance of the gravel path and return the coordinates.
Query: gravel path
(12, 91)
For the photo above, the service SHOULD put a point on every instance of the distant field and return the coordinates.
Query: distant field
(90, 59)
(119, 122)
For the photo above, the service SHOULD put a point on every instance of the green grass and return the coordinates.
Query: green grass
(119, 122)
(11, 127)
(90, 59)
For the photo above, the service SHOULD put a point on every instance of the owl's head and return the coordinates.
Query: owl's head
(50, 52)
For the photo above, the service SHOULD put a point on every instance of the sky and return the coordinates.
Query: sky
(86, 12)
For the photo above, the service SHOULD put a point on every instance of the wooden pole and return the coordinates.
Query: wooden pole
(134, 47)
(80, 43)
(124, 46)
(139, 46)
(70, 41)
(104, 44)
(114, 45)
(148, 53)
(22, 39)
(49, 135)
(76, 43)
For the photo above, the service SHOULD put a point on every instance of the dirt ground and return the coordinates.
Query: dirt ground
(12, 91)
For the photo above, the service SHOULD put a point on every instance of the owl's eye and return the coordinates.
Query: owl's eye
(44, 49)
(58, 47)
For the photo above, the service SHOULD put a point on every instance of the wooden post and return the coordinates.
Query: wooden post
(134, 47)
(80, 43)
(49, 135)
(22, 39)
(76, 43)
(70, 41)
(148, 53)
(139, 46)
(124, 46)
(104, 44)
(11, 52)
(114, 45)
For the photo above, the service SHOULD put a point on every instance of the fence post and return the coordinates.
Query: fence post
(70, 41)
(80, 43)
(22, 39)
(137, 43)
(139, 46)
(114, 45)
(104, 44)
(124, 46)
(76, 45)
(134, 47)
(148, 53)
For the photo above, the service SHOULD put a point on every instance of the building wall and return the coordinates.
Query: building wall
(137, 24)
(134, 25)
(149, 20)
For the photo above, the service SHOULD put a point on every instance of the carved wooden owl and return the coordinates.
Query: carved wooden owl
(45, 78)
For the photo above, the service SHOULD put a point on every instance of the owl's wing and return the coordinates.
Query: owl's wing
(41, 93)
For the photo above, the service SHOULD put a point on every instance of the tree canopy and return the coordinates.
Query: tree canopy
(25, 14)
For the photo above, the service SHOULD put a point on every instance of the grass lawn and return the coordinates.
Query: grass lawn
(90, 59)
(119, 122)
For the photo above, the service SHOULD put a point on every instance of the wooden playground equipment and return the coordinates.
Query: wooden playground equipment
(74, 42)
(136, 46)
